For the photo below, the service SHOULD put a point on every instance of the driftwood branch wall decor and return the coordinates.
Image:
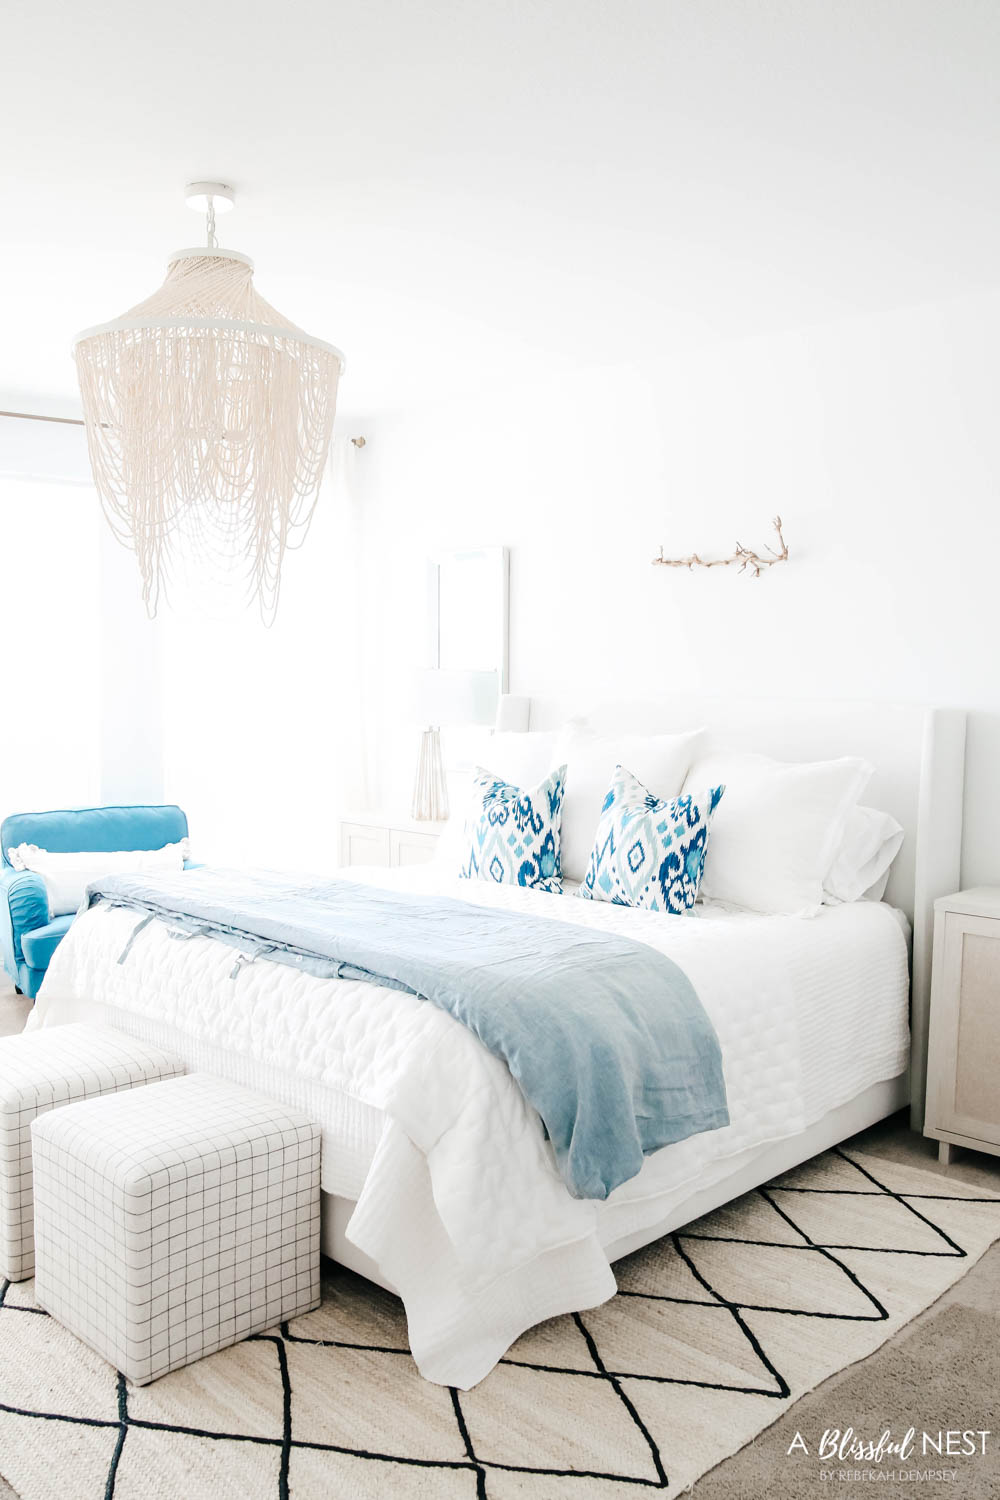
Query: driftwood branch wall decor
(743, 558)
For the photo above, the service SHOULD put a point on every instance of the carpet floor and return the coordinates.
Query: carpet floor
(814, 1304)
(716, 1331)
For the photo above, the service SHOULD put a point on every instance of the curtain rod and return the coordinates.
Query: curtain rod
(34, 416)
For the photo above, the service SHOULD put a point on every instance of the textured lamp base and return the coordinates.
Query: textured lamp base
(430, 790)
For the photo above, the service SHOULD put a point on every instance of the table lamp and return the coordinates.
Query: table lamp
(445, 697)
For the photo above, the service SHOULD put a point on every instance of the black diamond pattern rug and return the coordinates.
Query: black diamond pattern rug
(716, 1330)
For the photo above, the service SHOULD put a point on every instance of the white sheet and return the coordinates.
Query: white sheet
(459, 1201)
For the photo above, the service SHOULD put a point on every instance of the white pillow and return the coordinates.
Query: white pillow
(860, 868)
(659, 761)
(67, 876)
(777, 828)
(521, 759)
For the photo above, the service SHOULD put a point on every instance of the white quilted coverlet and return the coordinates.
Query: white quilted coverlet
(460, 1204)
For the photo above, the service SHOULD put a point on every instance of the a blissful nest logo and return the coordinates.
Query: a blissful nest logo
(911, 1458)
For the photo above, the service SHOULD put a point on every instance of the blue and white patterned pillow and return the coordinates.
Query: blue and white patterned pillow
(512, 833)
(647, 852)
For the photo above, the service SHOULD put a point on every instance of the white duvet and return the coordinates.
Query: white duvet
(459, 1203)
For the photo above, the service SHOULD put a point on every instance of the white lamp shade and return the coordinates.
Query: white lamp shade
(457, 697)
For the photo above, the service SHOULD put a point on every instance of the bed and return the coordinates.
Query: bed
(438, 1180)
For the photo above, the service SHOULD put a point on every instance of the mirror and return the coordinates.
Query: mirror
(469, 611)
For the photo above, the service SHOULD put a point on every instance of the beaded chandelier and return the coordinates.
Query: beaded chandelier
(208, 419)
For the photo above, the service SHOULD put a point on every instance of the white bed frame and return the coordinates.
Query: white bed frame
(919, 759)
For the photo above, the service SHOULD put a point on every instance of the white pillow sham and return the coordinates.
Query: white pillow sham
(521, 759)
(67, 876)
(860, 868)
(659, 761)
(777, 829)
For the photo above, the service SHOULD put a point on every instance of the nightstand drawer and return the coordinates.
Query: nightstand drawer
(364, 844)
(385, 839)
(411, 848)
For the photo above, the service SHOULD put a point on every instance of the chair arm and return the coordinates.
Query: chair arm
(24, 905)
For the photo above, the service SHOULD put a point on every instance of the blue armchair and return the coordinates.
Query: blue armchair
(27, 938)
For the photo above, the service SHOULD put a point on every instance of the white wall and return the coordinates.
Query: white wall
(875, 439)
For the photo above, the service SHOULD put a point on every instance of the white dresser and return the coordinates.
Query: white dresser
(963, 1057)
(385, 839)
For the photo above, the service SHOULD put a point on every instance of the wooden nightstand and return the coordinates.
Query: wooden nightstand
(963, 1055)
(381, 839)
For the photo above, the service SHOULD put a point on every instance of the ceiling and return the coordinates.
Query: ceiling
(469, 193)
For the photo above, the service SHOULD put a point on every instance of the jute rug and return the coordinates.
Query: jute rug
(717, 1330)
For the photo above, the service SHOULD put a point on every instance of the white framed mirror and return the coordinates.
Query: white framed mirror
(469, 605)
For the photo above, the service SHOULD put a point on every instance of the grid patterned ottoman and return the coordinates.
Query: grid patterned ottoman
(44, 1070)
(176, 1220)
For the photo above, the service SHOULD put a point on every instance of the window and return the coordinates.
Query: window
(50, 739)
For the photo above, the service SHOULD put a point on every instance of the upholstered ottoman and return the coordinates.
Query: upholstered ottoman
(42, 1071)
(175, 1220)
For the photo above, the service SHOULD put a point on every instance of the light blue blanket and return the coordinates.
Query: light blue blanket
(605, 1036)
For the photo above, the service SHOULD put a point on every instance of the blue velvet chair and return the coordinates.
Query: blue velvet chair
(27, 938)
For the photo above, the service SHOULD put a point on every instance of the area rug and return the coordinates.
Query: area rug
(716, 1331)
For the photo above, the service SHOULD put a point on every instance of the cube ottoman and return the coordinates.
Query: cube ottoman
(43, 1070)
(176, 1220)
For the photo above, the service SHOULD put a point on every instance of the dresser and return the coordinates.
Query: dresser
(386, 839)
(963, 1054)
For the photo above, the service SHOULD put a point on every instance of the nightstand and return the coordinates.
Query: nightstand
(383, 839)
(963, 1055)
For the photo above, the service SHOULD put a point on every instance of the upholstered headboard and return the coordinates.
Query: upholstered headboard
(919, 759)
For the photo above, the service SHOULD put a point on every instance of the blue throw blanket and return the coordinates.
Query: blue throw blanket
(605, 1036)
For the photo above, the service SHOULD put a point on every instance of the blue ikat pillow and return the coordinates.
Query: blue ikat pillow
(649, 852)
(512, 833)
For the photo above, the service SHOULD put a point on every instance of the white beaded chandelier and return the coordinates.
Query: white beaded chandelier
(208, 420)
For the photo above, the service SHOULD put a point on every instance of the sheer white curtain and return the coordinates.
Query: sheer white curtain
(260, 735)
(265, 729)
(51, 707)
